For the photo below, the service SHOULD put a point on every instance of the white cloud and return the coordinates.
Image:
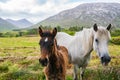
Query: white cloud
(35, 11)
(32, 9)
(18, 5)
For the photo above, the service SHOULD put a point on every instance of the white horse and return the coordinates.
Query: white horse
(82, 43)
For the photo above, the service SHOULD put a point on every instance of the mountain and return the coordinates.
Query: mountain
(6, 26)
(22, 23)
(86, 15)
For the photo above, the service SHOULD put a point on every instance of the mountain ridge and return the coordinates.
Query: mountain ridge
(85, 15)
(6, 26)
(22, 23)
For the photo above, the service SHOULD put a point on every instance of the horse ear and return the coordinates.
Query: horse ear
(109, 26)
(40, 31)
(95, 27)
(54, 32)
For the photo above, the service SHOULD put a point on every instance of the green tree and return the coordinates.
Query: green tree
(75, 28)
(32, 31)
(1, 34)
(59, 28)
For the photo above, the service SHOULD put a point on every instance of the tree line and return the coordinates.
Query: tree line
(34, 31)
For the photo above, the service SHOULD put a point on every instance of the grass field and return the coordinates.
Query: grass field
(19, 61)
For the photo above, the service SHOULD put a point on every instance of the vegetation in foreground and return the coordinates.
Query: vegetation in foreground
(19, 61)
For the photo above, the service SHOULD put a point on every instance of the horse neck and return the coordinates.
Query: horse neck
(88, 42)
(55, 65)
(53, 54)
(91, 38)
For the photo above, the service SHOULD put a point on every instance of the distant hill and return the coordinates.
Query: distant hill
(22, 23)
(86, 15)
(6, 26)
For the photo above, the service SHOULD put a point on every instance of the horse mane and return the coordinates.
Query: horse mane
(58, 47)
(85, 35)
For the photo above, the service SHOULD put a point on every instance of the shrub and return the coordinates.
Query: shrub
(75, 28)
(69, 32)
(3, 68)
(115, 32)
(116, 40)
(9, 34)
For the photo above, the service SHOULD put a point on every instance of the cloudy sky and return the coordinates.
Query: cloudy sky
(37, 10)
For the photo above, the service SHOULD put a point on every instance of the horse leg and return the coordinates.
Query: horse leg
(82, 72)
(83, 68)
(75, 72)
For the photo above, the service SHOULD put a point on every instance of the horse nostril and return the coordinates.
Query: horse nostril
(109, 59)
(39, 60)
(105, 59)
(102, 58)
(44, 62)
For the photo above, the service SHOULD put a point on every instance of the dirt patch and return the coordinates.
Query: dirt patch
(11, 58)
(15, 59)
(32, 57)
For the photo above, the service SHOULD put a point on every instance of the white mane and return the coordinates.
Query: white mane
(81, 43)
(63, 39)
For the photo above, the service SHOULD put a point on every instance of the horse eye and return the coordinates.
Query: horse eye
(51, 43)
(96, 40)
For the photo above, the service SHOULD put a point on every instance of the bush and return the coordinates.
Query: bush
(1, 34)
(32, 31)
(10, 34)
(75, 28)
(115, 32)
(59, 28)
(69, 32)
(3, 68)
(116, 40)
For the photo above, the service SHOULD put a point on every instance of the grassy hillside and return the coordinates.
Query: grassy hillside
(19, 61)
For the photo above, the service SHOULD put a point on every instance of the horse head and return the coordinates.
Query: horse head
(46, 43)
(100, 43)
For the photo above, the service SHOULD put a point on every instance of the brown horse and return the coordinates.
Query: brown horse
(53, 57)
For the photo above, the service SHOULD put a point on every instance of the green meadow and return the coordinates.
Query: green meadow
(19, 61)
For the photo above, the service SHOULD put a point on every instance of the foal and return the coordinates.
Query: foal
(53, 57)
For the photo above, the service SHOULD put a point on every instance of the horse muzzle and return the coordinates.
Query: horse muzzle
(105, 60)
(43, 62)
